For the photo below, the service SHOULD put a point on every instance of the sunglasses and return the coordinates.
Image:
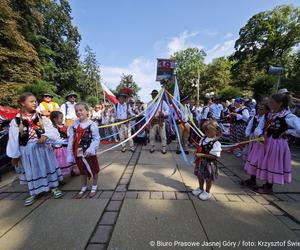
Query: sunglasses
(73, 96)
(48, 96)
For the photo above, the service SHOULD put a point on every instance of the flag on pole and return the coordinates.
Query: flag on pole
(108, 94)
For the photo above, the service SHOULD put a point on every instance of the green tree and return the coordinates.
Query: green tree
(229, 93)
(217, 75)
(267, 39)
(127, 81)
(19, 62)
(190, 65)
(91, 84)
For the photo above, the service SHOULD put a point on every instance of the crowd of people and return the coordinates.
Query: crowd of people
(48, 142)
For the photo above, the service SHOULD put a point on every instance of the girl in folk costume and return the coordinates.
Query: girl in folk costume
(26, 146)
(239, 119)
(256, 150)
(83, 143)
(60, 150)
(47, 105)
(276, 166)
(206, 159)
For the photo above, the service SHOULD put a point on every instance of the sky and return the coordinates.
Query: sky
(129, 35)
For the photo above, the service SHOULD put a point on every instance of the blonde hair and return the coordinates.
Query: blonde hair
(85, 105)
(212, 125)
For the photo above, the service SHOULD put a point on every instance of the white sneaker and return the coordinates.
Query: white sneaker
(197, 191)
(205, 196)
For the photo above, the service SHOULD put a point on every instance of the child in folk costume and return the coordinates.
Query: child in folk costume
(256, 150)
(60, 150)
(83, 143)
(276, 166)
(239, 119)
(26, 146)
(206, 155)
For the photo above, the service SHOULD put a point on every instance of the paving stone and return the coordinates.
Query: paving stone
(114, 205)
(69, 195)
(289, 222)
(55, 224)
(182, 196)
(106, 194)
(96, 247)
(102, 234)
(131, 194)
(284, 197)
(221, 197)
(12, 196)
(270, 197)
(118, 196)
(274, 210)
(3, 195)
(124, 181)
(121, 188)
(156, 195)
(246, 198)
(295, 197)
(233, 197)
(109, 218)
(169, 195)
(260, 199)
(22, 196)
(143, 195)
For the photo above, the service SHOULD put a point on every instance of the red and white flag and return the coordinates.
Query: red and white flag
(109, 95)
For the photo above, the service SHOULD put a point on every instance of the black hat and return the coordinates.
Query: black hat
(154, 91)
(184, 98)
(47, 94)
(121, 94)
(71, 94)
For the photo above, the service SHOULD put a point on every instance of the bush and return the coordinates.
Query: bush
(229, 92)
(92, 101)
(264, 86)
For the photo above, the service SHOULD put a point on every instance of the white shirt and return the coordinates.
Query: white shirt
(13, 147)
(97, 114)
(71, 114)
(244, 116)
(216, 149)
(216, 110)
(95, 138)
(121, 111)
(260, 126)
(163, 107)
(204, 113)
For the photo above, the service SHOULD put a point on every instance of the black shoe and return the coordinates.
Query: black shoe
(178, 152)
(152, 150)
(186, 152)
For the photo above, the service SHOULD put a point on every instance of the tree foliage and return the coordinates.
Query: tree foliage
(190, 64)
(127, 81)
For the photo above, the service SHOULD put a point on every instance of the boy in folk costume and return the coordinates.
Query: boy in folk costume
(47, 105)
(158, 123)
(83, 143)
(122, 113)
(68, 109)
(34, 160)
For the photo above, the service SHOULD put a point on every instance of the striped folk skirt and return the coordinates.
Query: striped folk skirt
(40, 168)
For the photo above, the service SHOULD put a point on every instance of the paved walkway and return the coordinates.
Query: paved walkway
(144, 203)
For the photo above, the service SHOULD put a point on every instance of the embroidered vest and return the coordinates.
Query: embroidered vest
(86, 138)
(277, 127)
(24, 137)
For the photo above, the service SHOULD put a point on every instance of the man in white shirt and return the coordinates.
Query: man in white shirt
(157, 124)
(122, 112)
(216, 110)
(68, 109)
